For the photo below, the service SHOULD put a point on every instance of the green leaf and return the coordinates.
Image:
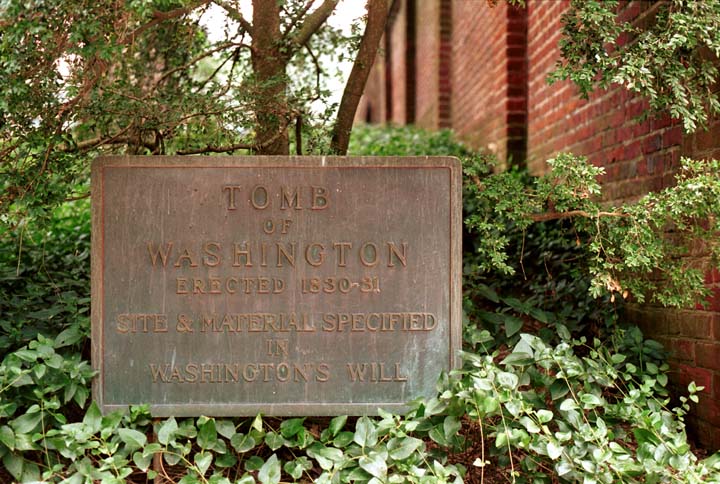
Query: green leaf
(513, 325)
(167, 431)
(254, 463)
(25, 424)
(7, 437)
(568, 404)
(486, 292)
(343, 439)
(618, 358)
(365, 433)
(258, 423)
(451, 426)
(336, 424)
(207, 434)
(544, 416)
(507, 380)
(529, 425)
(270, 471)
(554, 451)
(295, 468)
(590, 400)
(644, 436)
(14, 464)
(403, 447)
(202, 461)
(274, 440)
(558, 389)
(142, 460)
(518, 359)
(292, 427)
(69, 336)
(225, 428)
(225, 460)
(134, 439)
(375, 464)
(326, 457)
(242, 442)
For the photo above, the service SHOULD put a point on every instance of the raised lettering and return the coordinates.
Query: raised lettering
(319, 198)
(240, 253)
(212, 256)
(315, 254)
(259, 198)
(290, 199)
(369, 254)
(394, 251)
(158, 252)
(230, 189)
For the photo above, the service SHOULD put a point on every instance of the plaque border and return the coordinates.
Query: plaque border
(98, 170)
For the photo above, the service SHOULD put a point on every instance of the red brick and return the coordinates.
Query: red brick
(701, 376)
(690, 324)
(708, 409)
(712, 276)
(672, 137)
(715, 325)
(704, 434)
(707, 355)
(681, 349)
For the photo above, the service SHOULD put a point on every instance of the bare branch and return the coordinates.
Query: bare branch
(218, 149)
(298, 135)
(300, 15)
(235, 147)
(159, 17)
(318, 72)
(377, 17)
(313, 22)
(78, 197)
(235, 14)
(544, 217)
(198, 58)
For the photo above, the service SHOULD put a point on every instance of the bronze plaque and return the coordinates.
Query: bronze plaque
(283, 285)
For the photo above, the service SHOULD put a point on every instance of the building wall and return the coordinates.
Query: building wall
(427, 63)
(479, 75)
(638, 157)
(499, 99)
(398, 69)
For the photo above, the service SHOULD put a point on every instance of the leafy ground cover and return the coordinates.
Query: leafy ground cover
(554, 387)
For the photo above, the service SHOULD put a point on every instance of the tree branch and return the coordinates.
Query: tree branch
(237, 146)
(217, 149)
(159, 17)
(377, 17)
(198, 58)
(236, 15)
(313, 22)
(544, 217)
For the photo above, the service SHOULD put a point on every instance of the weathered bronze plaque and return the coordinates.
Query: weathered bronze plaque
(287, 286)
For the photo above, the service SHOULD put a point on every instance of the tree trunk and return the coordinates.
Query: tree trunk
(377, 17)
(269, 63)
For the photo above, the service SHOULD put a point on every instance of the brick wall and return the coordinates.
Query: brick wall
(427, 63)
(480, 78)
(398, 70)
(638, 157)
(499, 101)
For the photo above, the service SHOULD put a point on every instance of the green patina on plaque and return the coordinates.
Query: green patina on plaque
(288, 286)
